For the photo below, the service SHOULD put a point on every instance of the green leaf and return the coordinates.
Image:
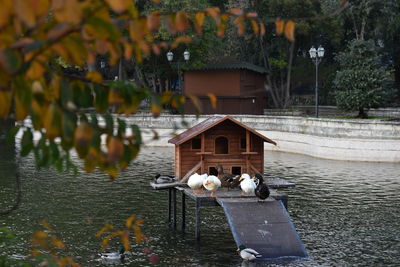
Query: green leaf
(101, 98)
(103, 29)
(109, 123)
(137, 133)
(26, 142)
(121, 127)
(10, 137)
(10, 60)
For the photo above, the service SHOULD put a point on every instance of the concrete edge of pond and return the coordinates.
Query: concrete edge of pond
(337, 139)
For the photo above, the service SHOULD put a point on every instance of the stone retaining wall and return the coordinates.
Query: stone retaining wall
(359, 140)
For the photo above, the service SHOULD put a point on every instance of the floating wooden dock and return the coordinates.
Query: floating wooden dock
(264, 226)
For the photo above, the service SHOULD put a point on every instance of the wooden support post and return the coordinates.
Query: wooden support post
(202, 151)
(197, 220)
(183, 211)
(247, 151)
(174, 201)
(169, 205)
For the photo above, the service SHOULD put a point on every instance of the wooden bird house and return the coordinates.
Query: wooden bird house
(219, 140)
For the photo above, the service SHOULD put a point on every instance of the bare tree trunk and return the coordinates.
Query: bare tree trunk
(289, 75)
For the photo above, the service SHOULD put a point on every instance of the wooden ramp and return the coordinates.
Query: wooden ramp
(263, 226)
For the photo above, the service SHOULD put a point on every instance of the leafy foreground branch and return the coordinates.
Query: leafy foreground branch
(38, 35)
(49, 250)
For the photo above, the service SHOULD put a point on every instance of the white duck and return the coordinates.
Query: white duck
(248, 254)
(195, 182)
(212, 183)
(247, 184)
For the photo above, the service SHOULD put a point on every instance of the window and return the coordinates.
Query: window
(212, 171)
(236, 170)
(196, 143)
(221, 145)
(243, 143)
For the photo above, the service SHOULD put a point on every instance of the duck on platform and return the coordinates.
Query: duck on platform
(248, 254)
(227, 180)
(247, 185)
(164, 179)
(212, 183)
(120, 255)
(195, 182)
(262, 190)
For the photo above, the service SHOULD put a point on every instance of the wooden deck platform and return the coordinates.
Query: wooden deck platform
(262, 225)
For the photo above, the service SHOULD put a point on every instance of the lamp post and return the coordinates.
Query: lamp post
(316, 56)
(186, 57)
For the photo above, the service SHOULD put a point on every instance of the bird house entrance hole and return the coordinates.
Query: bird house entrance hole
(236, 170)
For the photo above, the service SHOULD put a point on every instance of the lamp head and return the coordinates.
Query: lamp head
(186, 55)
(321, 51)
(313, 52)
(170, 56)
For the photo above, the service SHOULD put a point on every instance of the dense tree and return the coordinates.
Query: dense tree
(361, 80)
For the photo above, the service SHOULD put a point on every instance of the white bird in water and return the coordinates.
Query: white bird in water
(248, 254)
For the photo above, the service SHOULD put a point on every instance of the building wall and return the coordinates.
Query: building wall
(218, 82)
(238, 91)
(229, 105)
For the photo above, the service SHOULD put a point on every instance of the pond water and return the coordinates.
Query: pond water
(347, 213)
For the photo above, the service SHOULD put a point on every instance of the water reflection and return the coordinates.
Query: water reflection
(347, 213)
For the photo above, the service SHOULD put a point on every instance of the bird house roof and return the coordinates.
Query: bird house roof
(208, 124)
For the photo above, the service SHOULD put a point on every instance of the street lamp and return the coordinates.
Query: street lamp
(186, 57)
(316, 56)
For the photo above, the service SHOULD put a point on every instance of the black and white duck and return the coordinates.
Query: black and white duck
(262, 190)
(112, 256)
(227, 180)
(164, 179)
(248, 254)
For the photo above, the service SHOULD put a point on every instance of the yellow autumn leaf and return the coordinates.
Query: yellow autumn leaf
(115, 149)
(119, 6)
(181, 39)
(35, 71)
(45, 224)
(5, 103)
(252, 15)
(214, 13)
(5, 12)
(262, 29)
(125, 240)
(289, 30)
(57, 242)
(213, 100)
(199, 21)
(21, 111)
(40, 235)
(279, 24)
(104, 229)
(68, 11)
(236, 11)
(254, 26)
(128, 222)
(196, 102)
(156, 109)
(153, 21)
(52, 121)
(94, 76)
(181, 21)
(25, 12)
